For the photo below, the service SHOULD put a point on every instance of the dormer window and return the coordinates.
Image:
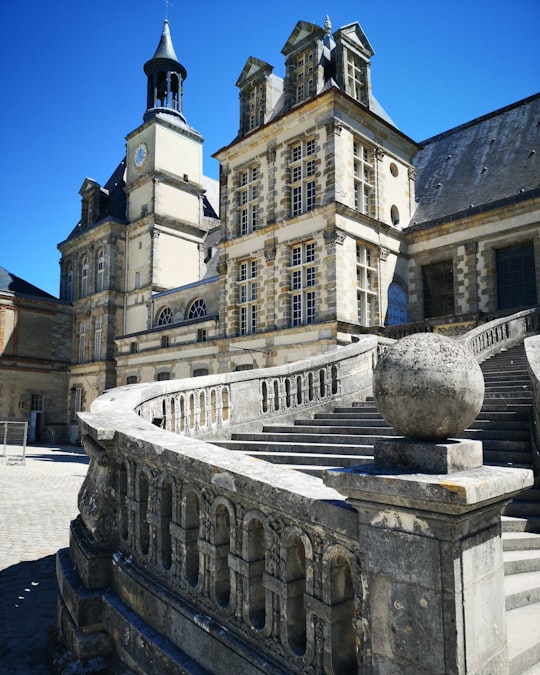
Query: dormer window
(355, 79)
(255, 105)
(303, 76)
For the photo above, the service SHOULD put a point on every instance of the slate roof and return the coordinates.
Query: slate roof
(13, 284)
(481, 163)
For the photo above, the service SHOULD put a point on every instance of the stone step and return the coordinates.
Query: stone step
(292, 446)
(507, 376)
(314, 438)
(522, 589)
(486, 433)
(518, 562)
(381, 425)
(350, 416)
(518, 540)
(496, 405)
(297, 460)
(530, 524)
(523, 633)
(512, 397)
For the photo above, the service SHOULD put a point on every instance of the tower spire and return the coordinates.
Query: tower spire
(166, 76)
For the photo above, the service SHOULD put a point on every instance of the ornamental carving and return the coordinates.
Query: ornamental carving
(384, 253)
(334, 236)
(270, 253)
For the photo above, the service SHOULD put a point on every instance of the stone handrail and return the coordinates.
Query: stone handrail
(194, 530)
(532, 351)
(490, 338)
(214, 405)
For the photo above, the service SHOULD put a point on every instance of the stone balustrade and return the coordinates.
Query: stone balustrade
(490, 338)
(237, 554)
(214, 405)
(189, 556)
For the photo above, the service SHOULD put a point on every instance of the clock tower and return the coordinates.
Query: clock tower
(164, 189)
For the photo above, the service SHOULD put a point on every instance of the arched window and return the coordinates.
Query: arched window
(197, 309)
(165, 317)
(100, 272)
(397, 305)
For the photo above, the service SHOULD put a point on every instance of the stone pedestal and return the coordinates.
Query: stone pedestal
(431, 556)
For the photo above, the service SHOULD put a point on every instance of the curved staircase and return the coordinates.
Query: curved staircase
(345, 437)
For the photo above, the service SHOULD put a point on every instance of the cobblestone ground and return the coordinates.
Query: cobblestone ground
(37, 502)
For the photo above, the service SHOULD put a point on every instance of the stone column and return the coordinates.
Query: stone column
(429, 517)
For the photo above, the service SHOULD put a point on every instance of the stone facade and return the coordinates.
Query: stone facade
(35, 355)
(332, 224)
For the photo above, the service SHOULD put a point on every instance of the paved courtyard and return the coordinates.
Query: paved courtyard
(37, 502)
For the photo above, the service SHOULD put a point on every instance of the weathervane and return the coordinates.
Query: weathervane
(167, 4)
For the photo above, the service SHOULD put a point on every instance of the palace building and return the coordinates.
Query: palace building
(328, 222)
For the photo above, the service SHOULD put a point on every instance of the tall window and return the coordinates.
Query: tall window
(255, 114)
(82, 342)
(397, 305)
(247, 297)
(365, 285)
(84, 277)
(78, 399)
(303, 183)
(69, 287)
(302, 280)
(100, 276)
(98, 332)
(37, 403)
(363, 177)
(355, 83)
(438, 281)
(303, 76)
(248, 194)
(516, 276)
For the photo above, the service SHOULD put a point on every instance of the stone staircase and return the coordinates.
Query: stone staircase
(345, 437)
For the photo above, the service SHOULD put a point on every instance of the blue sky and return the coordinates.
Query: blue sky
(73, 86)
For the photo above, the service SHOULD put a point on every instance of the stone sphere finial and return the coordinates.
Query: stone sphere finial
(428, 386)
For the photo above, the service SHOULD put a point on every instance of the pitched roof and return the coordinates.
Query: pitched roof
(13, 284)
(488, 160)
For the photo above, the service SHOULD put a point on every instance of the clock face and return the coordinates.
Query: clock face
(141, 153)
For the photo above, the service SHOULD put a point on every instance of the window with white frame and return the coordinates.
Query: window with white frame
(303, 281)
(100, 276)
(303, 182)
(303, 76)
(363, 177)
(355, 79)
(255, 107)
(82, 342)
(98, 334)
(84, 277)
(247, 297)
(37, 403)
(165, 316)
(366, 275)
(197, 309)
(248, 194)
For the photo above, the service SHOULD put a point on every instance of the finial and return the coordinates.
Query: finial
(168, 4)
(327, 25)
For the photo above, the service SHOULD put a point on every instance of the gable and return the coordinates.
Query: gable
(303, 33)
(253, 69)
(355, 36)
